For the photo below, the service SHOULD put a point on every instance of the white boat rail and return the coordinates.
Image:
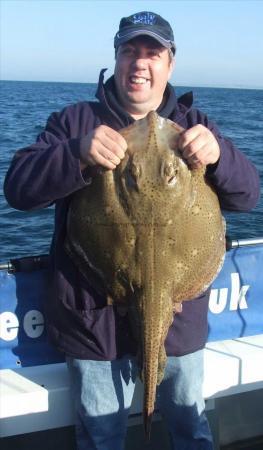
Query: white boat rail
(243, 242)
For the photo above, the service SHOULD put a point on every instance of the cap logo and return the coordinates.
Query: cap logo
(146, 18)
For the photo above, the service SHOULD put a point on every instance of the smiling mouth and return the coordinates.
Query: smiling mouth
(138, 80)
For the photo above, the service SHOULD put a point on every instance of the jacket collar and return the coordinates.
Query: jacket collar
(169, 108)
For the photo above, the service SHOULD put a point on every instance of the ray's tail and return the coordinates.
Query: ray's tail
(156, 315)
(147, 422)
(154, 360)
(152, 375)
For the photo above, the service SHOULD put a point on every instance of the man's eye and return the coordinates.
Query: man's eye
(127, 51)
(153, 54)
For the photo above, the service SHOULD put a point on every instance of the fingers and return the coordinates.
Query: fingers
(106, 147)
(114, 142)
(103, 157)
(199, 146)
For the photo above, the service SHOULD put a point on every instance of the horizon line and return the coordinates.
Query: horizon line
(218, 86)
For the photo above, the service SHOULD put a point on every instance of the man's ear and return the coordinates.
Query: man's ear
(171, 69)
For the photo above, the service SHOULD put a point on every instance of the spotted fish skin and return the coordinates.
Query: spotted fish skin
(152, 234)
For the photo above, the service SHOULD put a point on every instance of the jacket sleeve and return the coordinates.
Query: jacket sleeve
(49, 169)
(235, 178)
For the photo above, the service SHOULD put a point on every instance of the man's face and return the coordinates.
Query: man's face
(142, 70)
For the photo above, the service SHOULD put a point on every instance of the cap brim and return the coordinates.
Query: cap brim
(122, 38)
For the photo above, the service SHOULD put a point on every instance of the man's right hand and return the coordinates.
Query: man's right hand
(106, 147)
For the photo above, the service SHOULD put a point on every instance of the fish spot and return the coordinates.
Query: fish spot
(195, 210)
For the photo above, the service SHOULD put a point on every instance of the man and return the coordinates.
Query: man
(95, 337)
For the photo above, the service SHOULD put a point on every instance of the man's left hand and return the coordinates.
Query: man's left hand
(199, 147)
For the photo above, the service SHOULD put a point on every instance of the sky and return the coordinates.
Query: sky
(219, 42)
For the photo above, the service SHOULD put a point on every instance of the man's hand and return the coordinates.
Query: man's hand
(199, 147)
(106, 147)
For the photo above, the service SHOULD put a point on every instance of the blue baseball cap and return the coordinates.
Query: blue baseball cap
(145, 23)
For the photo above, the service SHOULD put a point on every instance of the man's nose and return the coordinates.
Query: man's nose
(140, 62)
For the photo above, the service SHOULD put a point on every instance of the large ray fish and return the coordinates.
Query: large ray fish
(152, 232)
